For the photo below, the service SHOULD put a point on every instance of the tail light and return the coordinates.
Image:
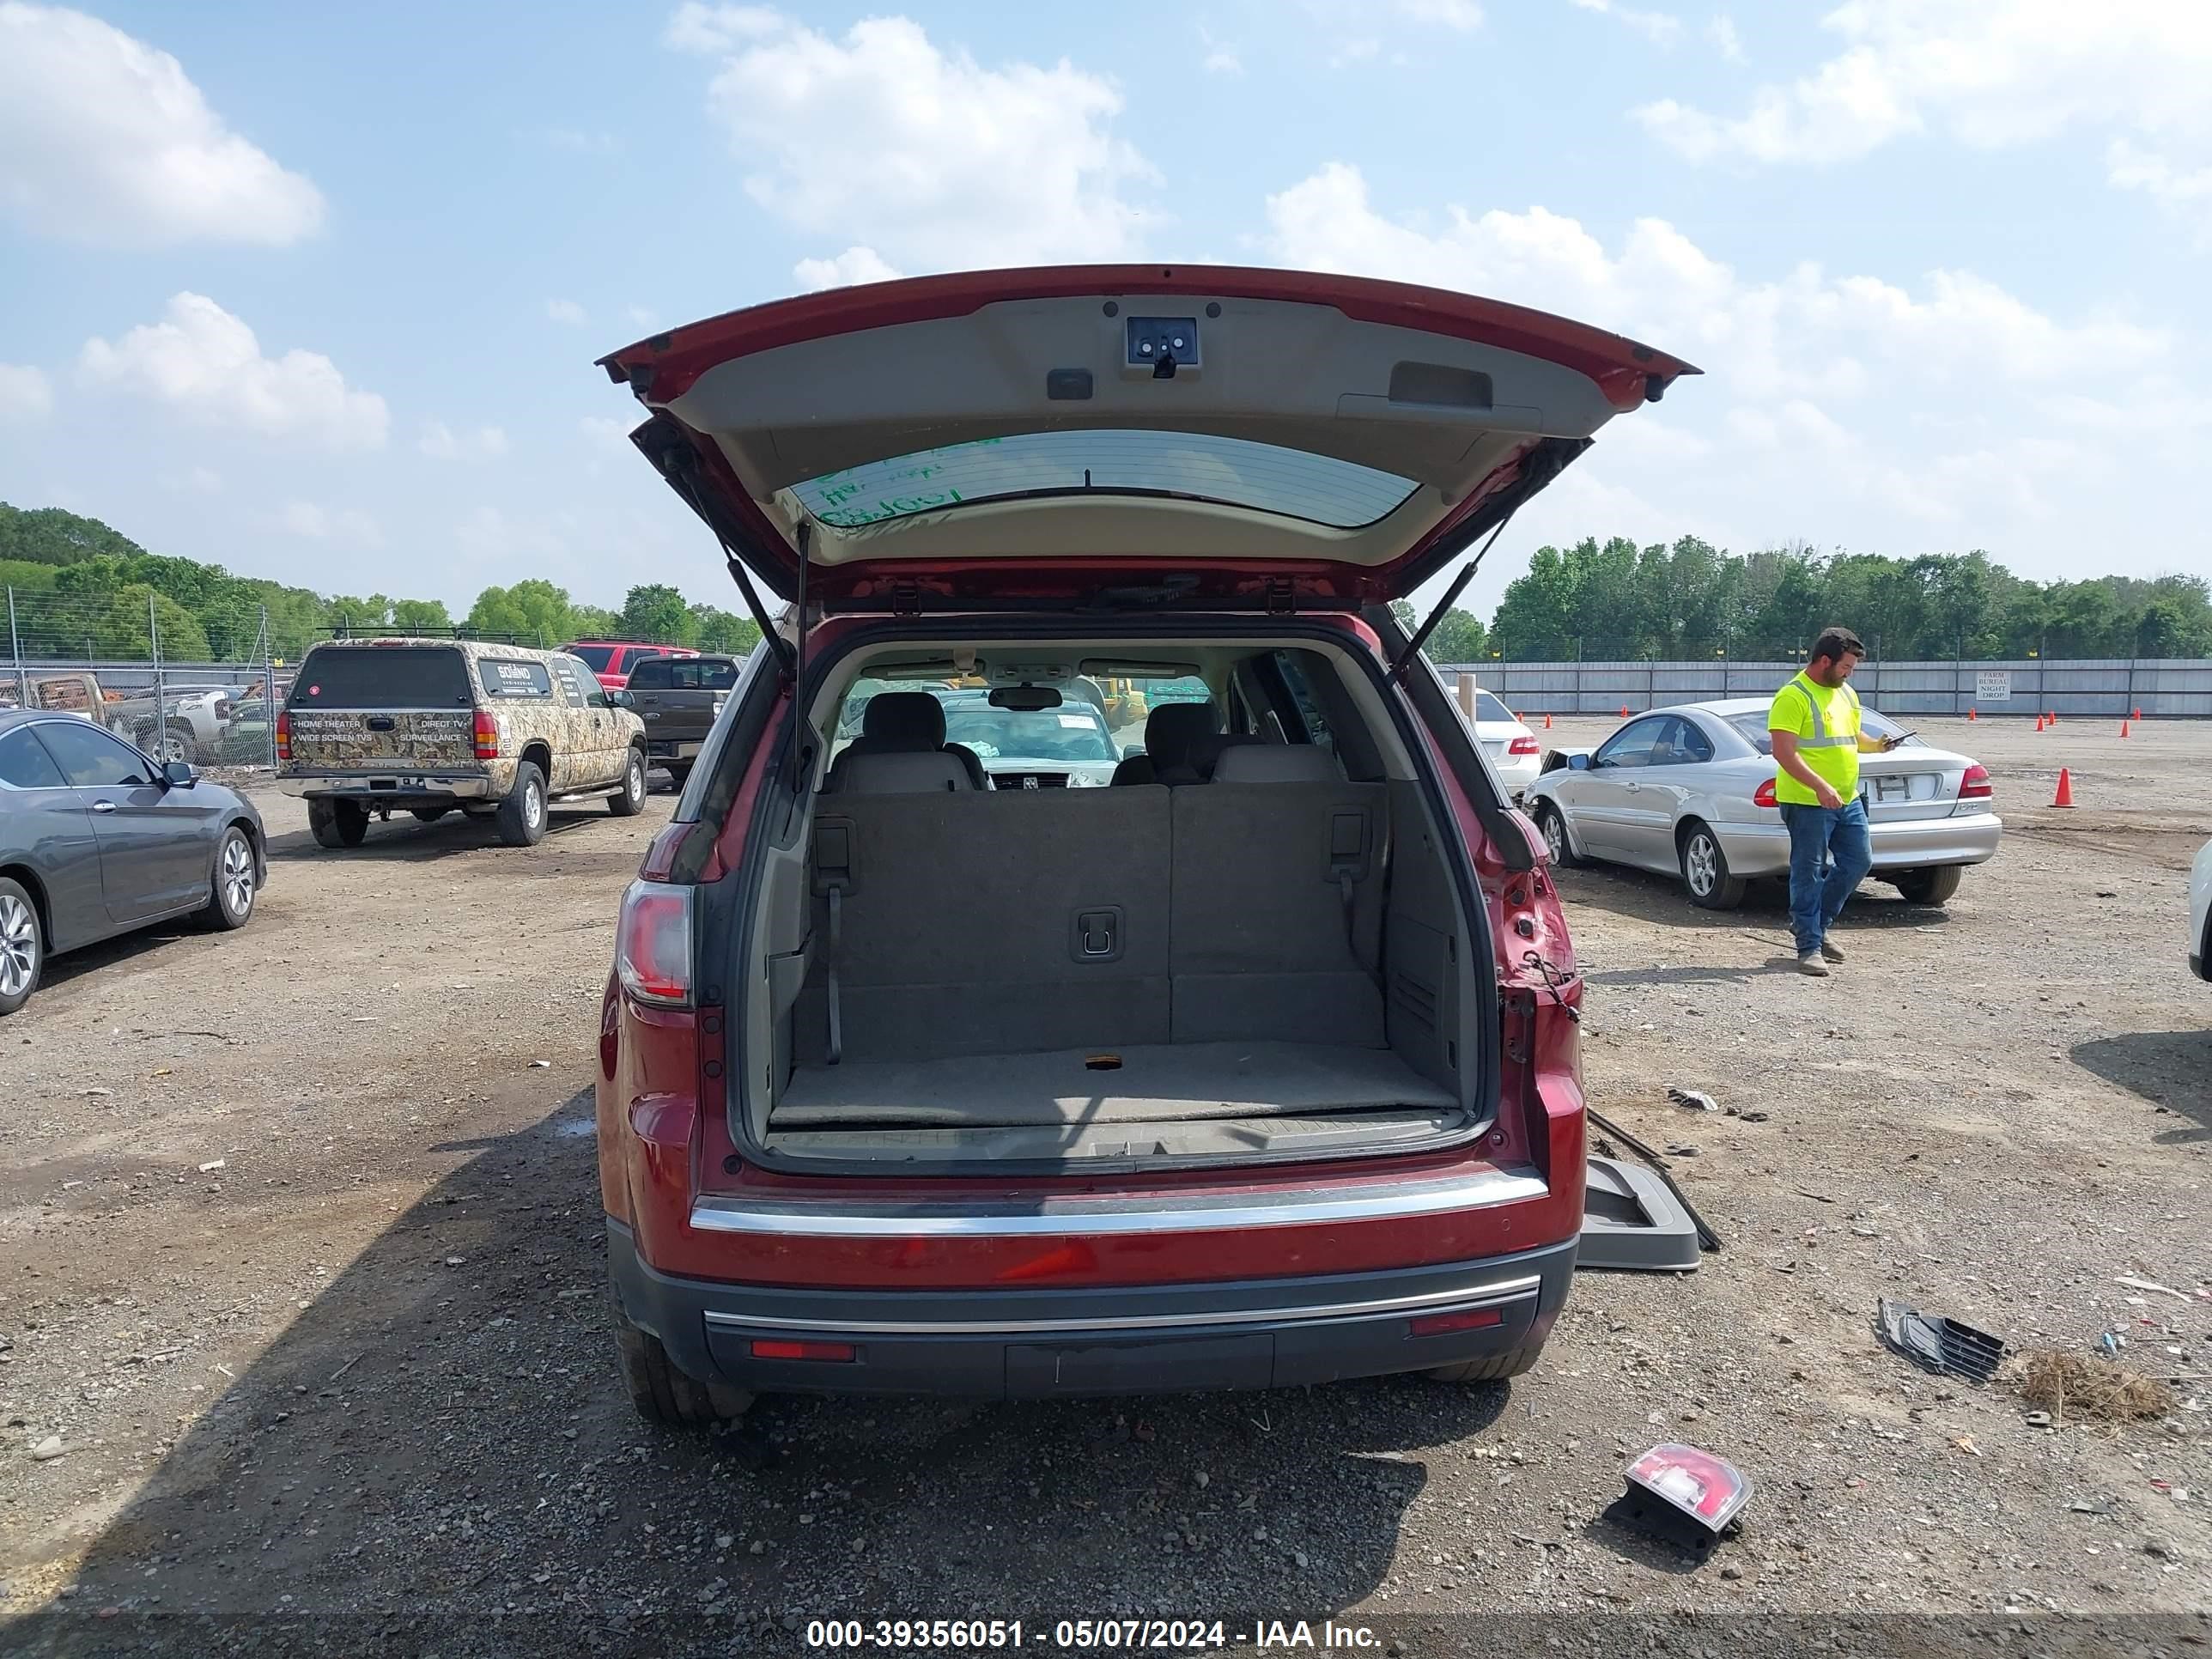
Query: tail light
(653, 945)
(284, 736)
(1763, 796)
(836, 1352)
(1975, 785)
(487, 735)
(1523, 745)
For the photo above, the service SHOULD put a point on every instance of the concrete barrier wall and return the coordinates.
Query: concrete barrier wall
(2162, 688)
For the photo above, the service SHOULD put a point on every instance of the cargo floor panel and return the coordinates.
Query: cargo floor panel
(1150, 1084)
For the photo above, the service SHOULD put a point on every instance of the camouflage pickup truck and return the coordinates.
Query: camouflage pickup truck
(423, 726)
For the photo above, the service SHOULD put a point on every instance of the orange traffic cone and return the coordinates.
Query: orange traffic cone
(1623, 711)
(1972, 714)
(2054, 717)
(2065, 797)
(2123, 728)
(1547, 722)
(2138, 714)
(2039, 722)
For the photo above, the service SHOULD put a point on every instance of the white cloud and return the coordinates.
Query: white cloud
(2186, 195)
(105, 139)
(1826, 395)
(194, 481)
(1221, 57)
(1726, 41)
(1358, 49)
(207, 365)
(642, 316)
(442, 443)
(942, 161)
(607, 433)
(1461, 14)
(490, 534)
(565, 310)
(1992, 73)
(321, 524)
(26, 394)
(1660, 27)
(854, 265)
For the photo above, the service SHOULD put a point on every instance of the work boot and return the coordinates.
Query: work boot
(1829, 953)
(1810, 964)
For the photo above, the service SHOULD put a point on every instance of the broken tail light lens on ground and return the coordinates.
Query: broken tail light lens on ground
(1697, 1485)
(653, 945)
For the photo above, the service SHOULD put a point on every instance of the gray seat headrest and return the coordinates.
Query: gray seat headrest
(910, 720)
(1276, 762)
(900, 772)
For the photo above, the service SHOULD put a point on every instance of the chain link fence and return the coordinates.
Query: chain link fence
(202, 686)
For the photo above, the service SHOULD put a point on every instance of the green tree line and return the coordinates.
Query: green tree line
(80, 586)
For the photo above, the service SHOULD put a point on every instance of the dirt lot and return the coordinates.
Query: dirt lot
(351, 1389)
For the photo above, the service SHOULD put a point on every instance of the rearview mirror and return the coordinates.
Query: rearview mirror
(1578, 762)
(1026, 699)
(179, 774)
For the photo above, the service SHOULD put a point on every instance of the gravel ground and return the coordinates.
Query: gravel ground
(352, 1390)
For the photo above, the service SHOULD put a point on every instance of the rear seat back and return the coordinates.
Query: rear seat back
(977, 923)
(1276, 924)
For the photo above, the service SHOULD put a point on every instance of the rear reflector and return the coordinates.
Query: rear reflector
(1473, 1319)
(839, 1352)
(653, 945)
(1765, 795)
(1521, 745)
(1975, 785)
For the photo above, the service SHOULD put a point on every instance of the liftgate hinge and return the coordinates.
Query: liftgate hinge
(1282, 596)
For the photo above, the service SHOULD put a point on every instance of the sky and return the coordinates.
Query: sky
(314, 293)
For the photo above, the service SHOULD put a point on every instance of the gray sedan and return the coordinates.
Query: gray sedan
(1690, 791)
(96, 839)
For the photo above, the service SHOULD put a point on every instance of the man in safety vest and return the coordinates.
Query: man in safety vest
(1814, 723)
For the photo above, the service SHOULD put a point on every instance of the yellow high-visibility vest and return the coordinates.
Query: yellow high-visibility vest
(1827, 727)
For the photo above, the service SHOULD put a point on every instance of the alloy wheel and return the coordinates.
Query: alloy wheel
(237, 876)
(19, 946)
(1701, 865)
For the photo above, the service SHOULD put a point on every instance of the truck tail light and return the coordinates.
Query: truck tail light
(1523, 745)
(1975, 785)
(1763, 796)
(284, 736)
(487, 735)
(653, 945)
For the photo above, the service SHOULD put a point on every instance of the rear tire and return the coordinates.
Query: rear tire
(230, 905)
(1495, 1368)
(629, 800)
(522, 814)
(1930, 886)
(337, 824)
(1557, 841)
(662, 1393)
(23, 945)
(1705, 870)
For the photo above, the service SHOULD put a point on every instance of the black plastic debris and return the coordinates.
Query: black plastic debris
(1935, 1344)
(1696, 1099)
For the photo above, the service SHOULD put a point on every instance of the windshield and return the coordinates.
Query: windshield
(1235, 472)
(596, 657)
(1072, 732)
(382, 676)
(1752, 727)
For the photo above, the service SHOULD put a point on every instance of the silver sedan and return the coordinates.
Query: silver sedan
(1690, 792)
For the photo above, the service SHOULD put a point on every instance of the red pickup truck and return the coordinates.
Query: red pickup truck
(612, 659)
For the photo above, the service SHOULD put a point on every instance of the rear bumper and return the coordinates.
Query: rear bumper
(1254, 1333)
(1517, 772)
(676, 749)
(398, 787)
(1763, 849)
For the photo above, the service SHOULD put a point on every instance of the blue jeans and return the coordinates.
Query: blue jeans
(1816, 835)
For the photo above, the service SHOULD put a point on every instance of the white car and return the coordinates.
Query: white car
(1690, 791)
(1511, 747)
(2200, 914)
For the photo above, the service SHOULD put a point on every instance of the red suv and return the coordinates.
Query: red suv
(612, 660)
(1254, 1065)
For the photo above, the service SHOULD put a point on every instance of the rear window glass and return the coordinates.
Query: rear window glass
(698, 676)
(504, 677)
(651, 675)
(1753, 728)
(382, 676)
(596, 657)
(1183, 466)
(1487, 707)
